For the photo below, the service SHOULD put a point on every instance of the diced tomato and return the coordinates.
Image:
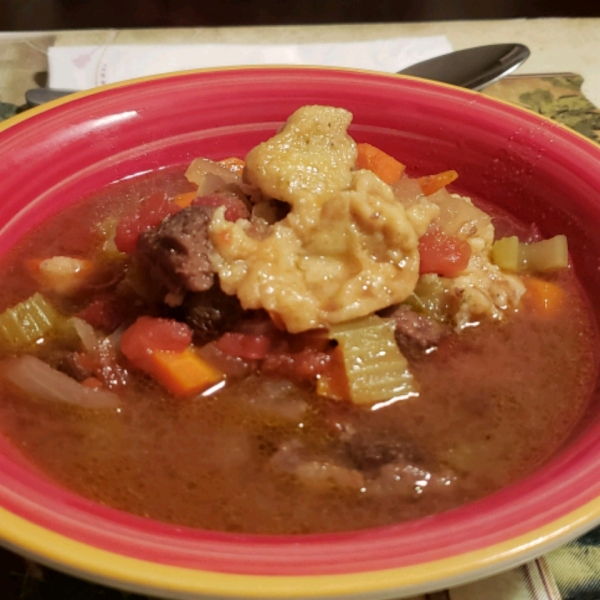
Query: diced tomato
(310, 363)
(244, 345)
(102, 363)
(105, 313)
(149, 334)
(304, 365)
(92, 382)
(150, 213)
(233, 366)
(235, 208)
(445, 255)
(259, 324)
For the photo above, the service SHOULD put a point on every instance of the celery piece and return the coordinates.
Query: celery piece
(375, 368)
(431, 297)
(505, 253)
(541, 257)
(27, 322)
(545, 256)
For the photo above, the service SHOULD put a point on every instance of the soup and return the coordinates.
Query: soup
(199, 352)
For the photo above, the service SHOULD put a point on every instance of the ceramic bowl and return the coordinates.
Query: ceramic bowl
(536, 169)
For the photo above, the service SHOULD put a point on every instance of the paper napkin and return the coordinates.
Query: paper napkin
(83, 67)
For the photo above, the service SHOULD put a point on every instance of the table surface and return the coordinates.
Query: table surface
(557, 46)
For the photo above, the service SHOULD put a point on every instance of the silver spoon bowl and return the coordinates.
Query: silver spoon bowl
(473, 68)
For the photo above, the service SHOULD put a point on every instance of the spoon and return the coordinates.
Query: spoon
(472, 68)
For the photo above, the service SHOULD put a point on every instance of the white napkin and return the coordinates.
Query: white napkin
(83, 67)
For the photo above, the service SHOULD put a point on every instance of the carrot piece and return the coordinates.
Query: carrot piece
(430, 184)
(386, 167)
(334, 382)
(184, 200)
(182, 373)
(544, 297)
(161, 348)
(234, 164)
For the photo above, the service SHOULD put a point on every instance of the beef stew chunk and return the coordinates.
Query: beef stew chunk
(176, 251)
(209, 313)
(416, 332)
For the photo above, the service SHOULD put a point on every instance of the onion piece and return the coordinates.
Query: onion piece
(40, 381)
(212, 177)
(86, 333)
(201, 168)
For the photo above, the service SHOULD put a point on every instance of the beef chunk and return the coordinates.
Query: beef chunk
(317, 473)
(209, 313)
(367, 454)
(416, 332)
(176, 252)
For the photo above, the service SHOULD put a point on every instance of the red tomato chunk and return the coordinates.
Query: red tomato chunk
(304, 365)
(445, 255)
(105, 313)
(148, 334)
(151, 212)
(244, 345)
(234, 207)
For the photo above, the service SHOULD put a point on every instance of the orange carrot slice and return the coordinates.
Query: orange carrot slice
(182, 373)
(234, 164)
(334, 382)
(386, 167)
(430, 184)
(545, 297)
(184, 200)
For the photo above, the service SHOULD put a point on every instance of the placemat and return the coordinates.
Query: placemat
(571, 572)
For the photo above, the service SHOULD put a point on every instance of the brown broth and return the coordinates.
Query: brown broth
(495, 403)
